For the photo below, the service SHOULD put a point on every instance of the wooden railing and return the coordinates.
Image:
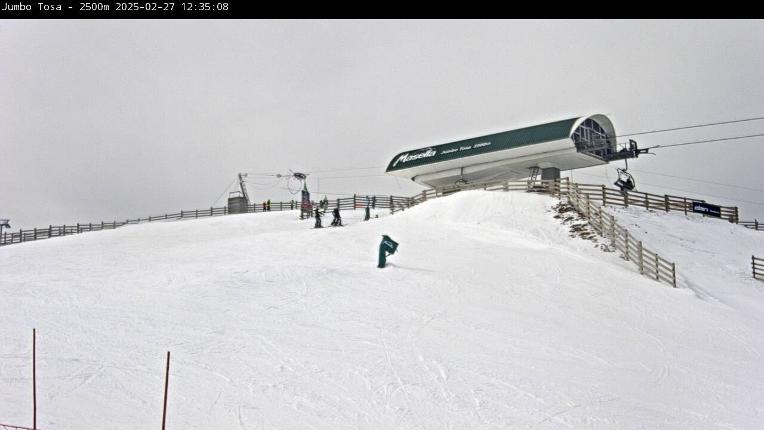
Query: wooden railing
(10, 427)
(588, 200)
(597, 193)
(347, 203)
(753, 225)
(555, 188)
(648, 262)
(665, 202)
(757, 265)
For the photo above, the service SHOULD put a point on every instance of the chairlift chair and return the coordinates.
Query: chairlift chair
(625, 181)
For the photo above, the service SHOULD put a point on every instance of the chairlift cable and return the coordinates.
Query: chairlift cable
(224, 191)
(686, 191)
(691, 126)
(700, 180)
(344, 170)
(722, 139)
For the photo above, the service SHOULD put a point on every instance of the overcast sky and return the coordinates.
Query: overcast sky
(104, 120)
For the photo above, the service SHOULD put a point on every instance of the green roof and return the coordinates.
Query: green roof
(480, 145)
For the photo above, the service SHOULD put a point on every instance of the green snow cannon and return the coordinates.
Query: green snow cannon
(386, 247)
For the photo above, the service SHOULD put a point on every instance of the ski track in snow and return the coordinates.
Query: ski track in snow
(489, 316)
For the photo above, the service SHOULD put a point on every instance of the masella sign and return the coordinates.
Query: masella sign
(405, 158)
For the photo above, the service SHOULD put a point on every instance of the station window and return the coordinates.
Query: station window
(591, 137)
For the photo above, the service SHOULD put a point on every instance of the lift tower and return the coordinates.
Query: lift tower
(238, 201)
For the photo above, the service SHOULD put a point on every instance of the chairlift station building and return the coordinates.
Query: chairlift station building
(573, 143)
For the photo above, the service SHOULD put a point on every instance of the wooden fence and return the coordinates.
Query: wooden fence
(648, 262)
(597, 193)
(10, 427)
(753, 225)
(665, 202)
(347, 203)
(555, 188)
(589, 199)
(757, 265)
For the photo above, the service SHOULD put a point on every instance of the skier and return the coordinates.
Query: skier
(337, 221)
(318, 219)
(269, 205)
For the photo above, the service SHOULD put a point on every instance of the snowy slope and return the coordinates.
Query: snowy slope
(489, 316)
(713, 256)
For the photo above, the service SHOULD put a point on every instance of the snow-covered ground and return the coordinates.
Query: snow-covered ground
(713, 257)
(490, 316)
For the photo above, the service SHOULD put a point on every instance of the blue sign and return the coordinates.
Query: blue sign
(707, 209)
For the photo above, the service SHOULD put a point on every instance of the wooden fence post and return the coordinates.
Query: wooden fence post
(641, 259)
(627, 245)
(626, 199)
(604, 196)
(657, 269)
(35, 233)
(50, 230)
(673, 274)
(647, 202)
(684, 199)
(666, 201)
(602, 227)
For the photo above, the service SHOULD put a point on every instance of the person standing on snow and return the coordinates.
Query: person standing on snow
(337, 221)
(318, 219)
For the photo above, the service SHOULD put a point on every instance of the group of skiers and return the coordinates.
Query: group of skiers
(336, 222)
(322, 207)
